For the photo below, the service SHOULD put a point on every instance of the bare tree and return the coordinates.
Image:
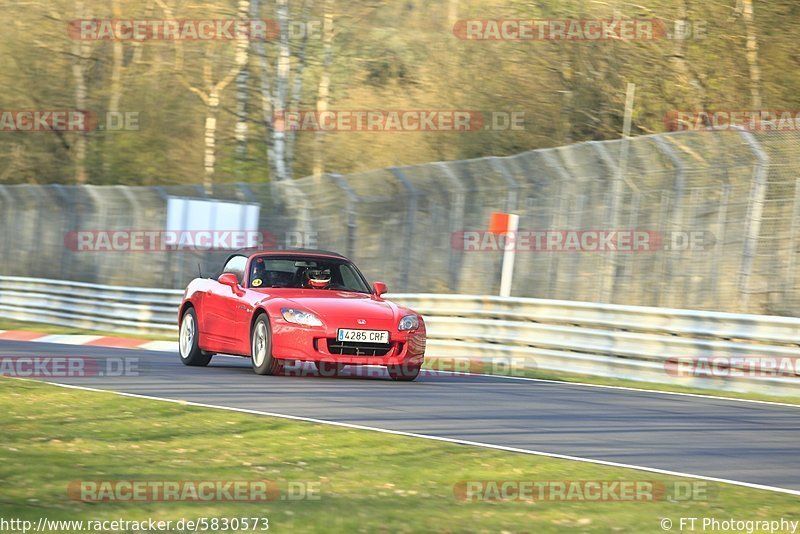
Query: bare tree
(324, 87)
(297, 88)
(115, 95)
(80, 53)
(685, 70)
(260, 49)
(211, 92)
(242, 82)
(281, 89)
(275, 92)
(752, 53)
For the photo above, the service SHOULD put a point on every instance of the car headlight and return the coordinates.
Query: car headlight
(300, 317)
(409, 322)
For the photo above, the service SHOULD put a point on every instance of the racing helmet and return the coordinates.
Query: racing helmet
(318, 278)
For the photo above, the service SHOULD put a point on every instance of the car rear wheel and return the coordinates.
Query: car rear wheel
(261, 348)
(188, 341)
(329, 368)
(403, 373)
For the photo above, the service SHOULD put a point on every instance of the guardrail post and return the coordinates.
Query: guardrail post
(513, 186)
(245, 192)
(136, 208)
(788, 283)
(69, 207)
(6, 214)
(168, 261)
(557, 220)
(352, 202)
(608, 280)
(299, 202)
(405, 260)
(456, 224)
(40, 207)
(677, 211)
(755, 210)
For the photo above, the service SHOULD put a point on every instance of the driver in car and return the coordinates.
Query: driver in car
(318, 278)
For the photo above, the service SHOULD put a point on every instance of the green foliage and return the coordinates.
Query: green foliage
(386, 56)
(385, 483)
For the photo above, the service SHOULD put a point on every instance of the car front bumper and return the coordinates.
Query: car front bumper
(301, 343)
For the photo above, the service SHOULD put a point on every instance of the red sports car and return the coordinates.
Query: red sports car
(278, 308)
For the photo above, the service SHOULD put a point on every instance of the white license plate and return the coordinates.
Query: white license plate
(363, 336)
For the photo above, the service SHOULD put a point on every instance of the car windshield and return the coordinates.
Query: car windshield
(306, 273)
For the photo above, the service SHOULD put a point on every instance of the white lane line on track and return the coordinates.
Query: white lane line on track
(163, 347)
(68, 339)
(160, 346)
(602, 386)
(426, 436)
(626, 388)
(584, 384)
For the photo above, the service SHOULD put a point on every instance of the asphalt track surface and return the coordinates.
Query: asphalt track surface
(747, 442)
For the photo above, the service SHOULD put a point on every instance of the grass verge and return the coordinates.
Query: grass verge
(367, 481)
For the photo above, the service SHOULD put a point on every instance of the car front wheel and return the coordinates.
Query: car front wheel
(403, 373)
(261, 348)
(188, 341)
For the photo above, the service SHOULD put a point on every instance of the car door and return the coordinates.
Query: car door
(222, 309)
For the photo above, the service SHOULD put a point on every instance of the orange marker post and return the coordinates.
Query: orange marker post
(506, 224)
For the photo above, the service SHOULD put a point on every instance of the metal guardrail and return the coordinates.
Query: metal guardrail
(632, 342)
(130, 310)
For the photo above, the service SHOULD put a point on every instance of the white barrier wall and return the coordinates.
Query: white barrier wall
(633, 342)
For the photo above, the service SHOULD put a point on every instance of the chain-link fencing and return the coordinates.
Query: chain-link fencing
(720, 210)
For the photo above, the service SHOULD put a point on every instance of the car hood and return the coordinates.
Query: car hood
(341, 303)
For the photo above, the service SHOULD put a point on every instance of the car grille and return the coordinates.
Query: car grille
(352, 348)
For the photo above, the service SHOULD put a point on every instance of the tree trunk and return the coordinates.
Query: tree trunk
(324, 89)
(210, 135)
(281, 86)
(686, 75)
(242, 79)
(752, 54)
(80, 50)
(452, 14)
(116, 88)
(297, 88)
(265, 88)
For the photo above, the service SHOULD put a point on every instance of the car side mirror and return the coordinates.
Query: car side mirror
(230, 280)
(379, 288)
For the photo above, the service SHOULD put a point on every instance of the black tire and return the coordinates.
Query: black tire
(403, 373)
(261, 348)
(188, 341)
(329, 369)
